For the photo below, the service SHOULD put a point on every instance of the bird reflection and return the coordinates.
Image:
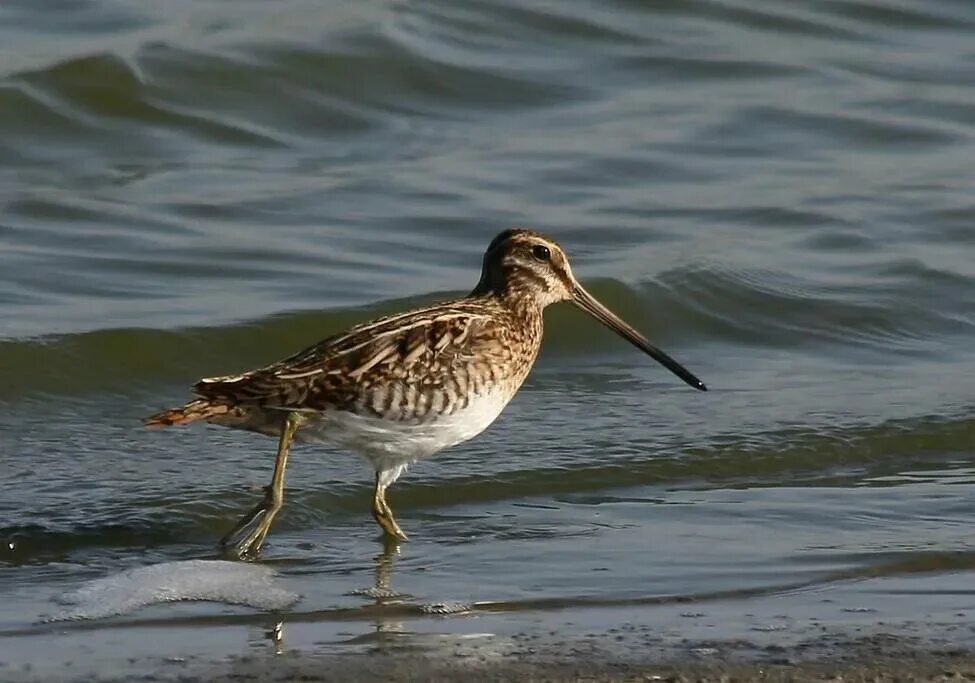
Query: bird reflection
(276, 635)
(385, 627)
(384, 572)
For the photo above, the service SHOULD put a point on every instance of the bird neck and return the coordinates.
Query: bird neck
(517, 295)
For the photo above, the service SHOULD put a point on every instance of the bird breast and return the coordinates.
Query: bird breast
(395, 439)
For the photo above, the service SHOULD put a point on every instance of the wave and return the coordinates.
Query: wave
(686, 306)
(887, 454)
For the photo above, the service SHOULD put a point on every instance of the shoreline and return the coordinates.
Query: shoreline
(872, 629)
(910, 667)
(452, 650)
(879, 657)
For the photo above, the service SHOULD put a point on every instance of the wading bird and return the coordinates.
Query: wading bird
(406, 386)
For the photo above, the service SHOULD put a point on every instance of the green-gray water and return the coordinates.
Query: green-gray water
(780, 194)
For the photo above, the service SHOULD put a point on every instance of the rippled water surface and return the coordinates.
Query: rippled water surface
(779, 193)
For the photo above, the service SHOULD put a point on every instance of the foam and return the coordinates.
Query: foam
(234, 583)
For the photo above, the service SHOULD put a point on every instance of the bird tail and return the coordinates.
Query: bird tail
(194, 411)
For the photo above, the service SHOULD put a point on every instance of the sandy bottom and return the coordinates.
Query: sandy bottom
(907, 666)
(868, 658)
(916, 627)
(488, 648)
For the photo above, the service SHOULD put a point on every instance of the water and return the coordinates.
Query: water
(779, 194)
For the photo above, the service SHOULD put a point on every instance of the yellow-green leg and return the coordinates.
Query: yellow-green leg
(247, 537)
(383, 514)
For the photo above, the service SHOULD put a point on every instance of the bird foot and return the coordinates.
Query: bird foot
(245, 540)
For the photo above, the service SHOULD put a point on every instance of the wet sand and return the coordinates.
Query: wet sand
(877, 657)
(908, 666)
(911, 628)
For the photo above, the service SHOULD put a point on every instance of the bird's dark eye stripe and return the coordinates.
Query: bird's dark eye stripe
(541, 252)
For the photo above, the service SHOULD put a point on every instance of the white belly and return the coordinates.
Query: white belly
(392, 444)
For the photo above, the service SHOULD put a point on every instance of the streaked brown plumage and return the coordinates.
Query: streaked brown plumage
(400, 368)
(405, 386)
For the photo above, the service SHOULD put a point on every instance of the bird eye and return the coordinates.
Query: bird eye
(541, 253)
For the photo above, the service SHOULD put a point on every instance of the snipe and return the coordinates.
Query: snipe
(406, 386)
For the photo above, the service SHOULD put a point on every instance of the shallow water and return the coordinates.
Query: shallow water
(779, 194)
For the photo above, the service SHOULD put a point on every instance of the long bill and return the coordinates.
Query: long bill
(590, 305)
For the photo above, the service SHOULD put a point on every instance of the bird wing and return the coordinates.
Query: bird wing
(399, 353)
